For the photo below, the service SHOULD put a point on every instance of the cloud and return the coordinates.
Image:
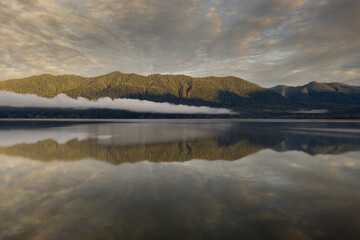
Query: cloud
(311, 111)
(267, 42)
(63, 101)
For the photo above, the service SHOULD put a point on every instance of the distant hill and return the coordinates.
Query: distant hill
(180, 89)
(325, 93)
(353, 82)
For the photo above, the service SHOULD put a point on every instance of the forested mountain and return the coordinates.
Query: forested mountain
(329, 100)
(179, 89)
(325, 93)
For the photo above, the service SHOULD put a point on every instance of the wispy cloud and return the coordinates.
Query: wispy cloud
(265, 41)
(63, 101)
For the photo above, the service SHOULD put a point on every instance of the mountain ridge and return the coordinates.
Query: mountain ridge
(179, 89)
(324, 93)
(230, 92)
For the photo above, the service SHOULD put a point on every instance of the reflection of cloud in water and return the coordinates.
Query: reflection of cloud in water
(113, 133)
(287, 195)
(31, 136)
(127, 132)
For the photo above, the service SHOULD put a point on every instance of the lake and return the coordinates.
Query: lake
(180, 179)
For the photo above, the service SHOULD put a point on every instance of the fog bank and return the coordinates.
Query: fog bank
(11, 99)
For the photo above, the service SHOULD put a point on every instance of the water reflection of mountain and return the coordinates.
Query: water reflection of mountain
(217, 142)
(314, 145)
(48, 150)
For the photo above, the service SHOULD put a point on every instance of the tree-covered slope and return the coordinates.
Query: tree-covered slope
(315, 92)
(213, 91)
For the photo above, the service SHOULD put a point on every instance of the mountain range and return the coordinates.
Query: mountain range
(325, 93)
(230, 92)
(178, 89)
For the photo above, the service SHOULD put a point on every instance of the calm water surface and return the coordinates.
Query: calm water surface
(180, 179)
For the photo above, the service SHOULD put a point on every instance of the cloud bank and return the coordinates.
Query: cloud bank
(11, 99)
(268, 42)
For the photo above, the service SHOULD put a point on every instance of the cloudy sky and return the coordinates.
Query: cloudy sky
(268, 42)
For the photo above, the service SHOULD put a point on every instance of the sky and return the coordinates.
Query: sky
(274, 42)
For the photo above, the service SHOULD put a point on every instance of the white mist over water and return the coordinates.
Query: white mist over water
(11, 99)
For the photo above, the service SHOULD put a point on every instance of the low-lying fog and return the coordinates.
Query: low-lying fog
(11, 99)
